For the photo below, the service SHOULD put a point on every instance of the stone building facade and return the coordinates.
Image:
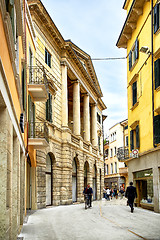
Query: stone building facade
(71, 154)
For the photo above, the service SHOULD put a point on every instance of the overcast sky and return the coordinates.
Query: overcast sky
(94, 26)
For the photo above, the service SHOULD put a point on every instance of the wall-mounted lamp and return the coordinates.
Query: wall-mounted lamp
(145, 50)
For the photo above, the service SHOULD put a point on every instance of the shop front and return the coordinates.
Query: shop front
(144, 185)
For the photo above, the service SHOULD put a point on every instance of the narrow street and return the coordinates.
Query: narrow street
(105, 220)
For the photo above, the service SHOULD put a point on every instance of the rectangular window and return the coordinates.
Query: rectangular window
(157, 73)
(134, 93)
(115, 165)
(115, 150)
(156, 122)
(49, 108)
(98, 118)
(156, 17)
(134, 54)
(111, 153)
(107, 169)
(126, 142)
(111, 168)
(99, 143)
(134, 138)
(47, 58)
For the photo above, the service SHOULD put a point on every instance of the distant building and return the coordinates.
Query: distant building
(116, 171)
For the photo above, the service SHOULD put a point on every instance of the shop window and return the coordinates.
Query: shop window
(144, 183)
(134, 93)
(157, 73)
(156, 124)
(134, 138)
(49, 108)
(133, 54)
(47, 58)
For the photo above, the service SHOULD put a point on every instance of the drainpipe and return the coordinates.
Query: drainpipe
(152, 69)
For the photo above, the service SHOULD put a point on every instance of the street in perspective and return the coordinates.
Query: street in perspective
(105, 220)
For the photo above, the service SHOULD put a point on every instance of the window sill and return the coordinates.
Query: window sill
(133, 65)
(135, 105)
(158, 89)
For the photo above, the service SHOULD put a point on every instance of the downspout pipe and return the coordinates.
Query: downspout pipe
(152, 16)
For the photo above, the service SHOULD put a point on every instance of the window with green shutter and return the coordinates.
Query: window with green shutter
(156, 18)
(134, 54)
(131, 140)
(134, 93)
(157, 73)
(49, 108)
(156, 129)
(47, 58)
(130, 60)
(137, 137)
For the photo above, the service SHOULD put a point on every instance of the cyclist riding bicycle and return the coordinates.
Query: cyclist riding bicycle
(88, 193)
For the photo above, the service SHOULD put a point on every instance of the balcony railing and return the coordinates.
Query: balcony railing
(122, 153)
(37, 75)
(38, 83)
(38, 130)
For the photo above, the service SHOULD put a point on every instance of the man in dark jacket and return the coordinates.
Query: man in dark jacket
(88, 190)
(131, 194)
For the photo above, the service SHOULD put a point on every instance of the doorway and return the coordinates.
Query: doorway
(48, 180)
(74, 181)
(94, 183)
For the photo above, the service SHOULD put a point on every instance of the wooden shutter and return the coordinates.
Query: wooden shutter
(156, 129)
(131, 140)
(130, 60)
(50, 107)
(137, 137)
(47, 110)
(134, 92)
(157, 73)
(137, 48)
(156, 18)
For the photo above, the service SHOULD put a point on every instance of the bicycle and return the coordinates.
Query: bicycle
(86, 201)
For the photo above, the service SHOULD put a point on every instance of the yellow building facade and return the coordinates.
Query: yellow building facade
(140, 36)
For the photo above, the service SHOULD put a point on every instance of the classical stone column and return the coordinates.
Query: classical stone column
(94, 124)
(64, 95)
(76, 108)
(86, 118)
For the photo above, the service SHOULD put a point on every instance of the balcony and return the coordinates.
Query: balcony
(38, 135)
(38, 84)
(122, 153)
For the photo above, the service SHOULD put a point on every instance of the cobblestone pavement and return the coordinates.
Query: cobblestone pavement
(105, 220)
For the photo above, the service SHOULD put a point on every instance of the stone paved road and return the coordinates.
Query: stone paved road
(105, 220)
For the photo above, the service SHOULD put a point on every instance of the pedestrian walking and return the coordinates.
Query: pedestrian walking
(107, 194)
(121, 191)
(88, 190)
(115, 193)
(131, 194)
